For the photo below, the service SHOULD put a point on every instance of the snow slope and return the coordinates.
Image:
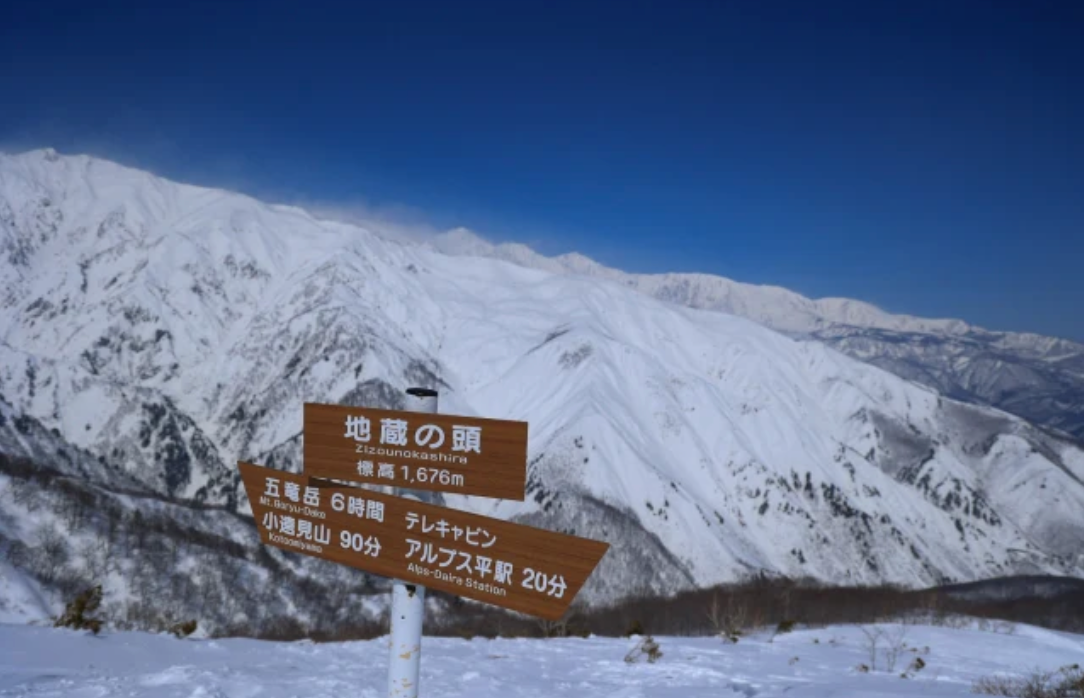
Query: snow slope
(170, 330)
(1036, 377)
(159, 562)
(45, 662)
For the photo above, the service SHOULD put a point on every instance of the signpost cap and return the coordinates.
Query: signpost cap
(421, 392)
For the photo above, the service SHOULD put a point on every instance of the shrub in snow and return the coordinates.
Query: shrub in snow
(183, 629)
(1066, 682)
(914, 667)
(646, 648)
(75, 614)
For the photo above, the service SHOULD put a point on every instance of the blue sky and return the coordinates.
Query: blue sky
(924, 156)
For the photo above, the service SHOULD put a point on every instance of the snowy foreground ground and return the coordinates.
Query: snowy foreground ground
(44, 662)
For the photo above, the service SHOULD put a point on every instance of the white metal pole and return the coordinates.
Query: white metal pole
(408, 600)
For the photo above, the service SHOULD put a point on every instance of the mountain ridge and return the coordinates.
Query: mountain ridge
(173, 330)
(1034, 376)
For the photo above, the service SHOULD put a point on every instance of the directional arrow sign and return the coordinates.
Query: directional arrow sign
(510, 565)
(415, 450)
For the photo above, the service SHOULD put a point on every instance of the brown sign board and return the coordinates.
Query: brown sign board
(518, 567)
(416, 450)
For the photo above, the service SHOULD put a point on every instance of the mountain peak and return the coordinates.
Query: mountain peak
(462, 241)
(173, 330)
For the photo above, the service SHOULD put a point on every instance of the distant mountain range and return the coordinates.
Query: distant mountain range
(153, 333)
(1038, 378)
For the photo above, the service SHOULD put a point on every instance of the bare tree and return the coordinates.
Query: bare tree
(893, 641)
(553, 628)
(715, 614)
(784, 596)
(52, 553)
(729, 622)
(873, 637)
(95, 554)
(25, 493)
(895, 645)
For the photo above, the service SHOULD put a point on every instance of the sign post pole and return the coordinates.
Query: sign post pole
(408, 601)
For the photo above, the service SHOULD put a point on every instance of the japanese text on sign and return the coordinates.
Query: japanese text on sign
(508, 564)
(413, 450)
(393, 432)
(474, 536)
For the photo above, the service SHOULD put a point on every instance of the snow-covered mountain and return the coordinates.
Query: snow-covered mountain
(168, 331)
(1038, 378)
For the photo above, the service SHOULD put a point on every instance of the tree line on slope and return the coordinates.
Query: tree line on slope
(759, 602)
(165, 563)
(162, 562)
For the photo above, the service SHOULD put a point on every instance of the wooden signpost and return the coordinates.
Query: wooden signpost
(418, 545)
(518, 567)
(415, 450)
